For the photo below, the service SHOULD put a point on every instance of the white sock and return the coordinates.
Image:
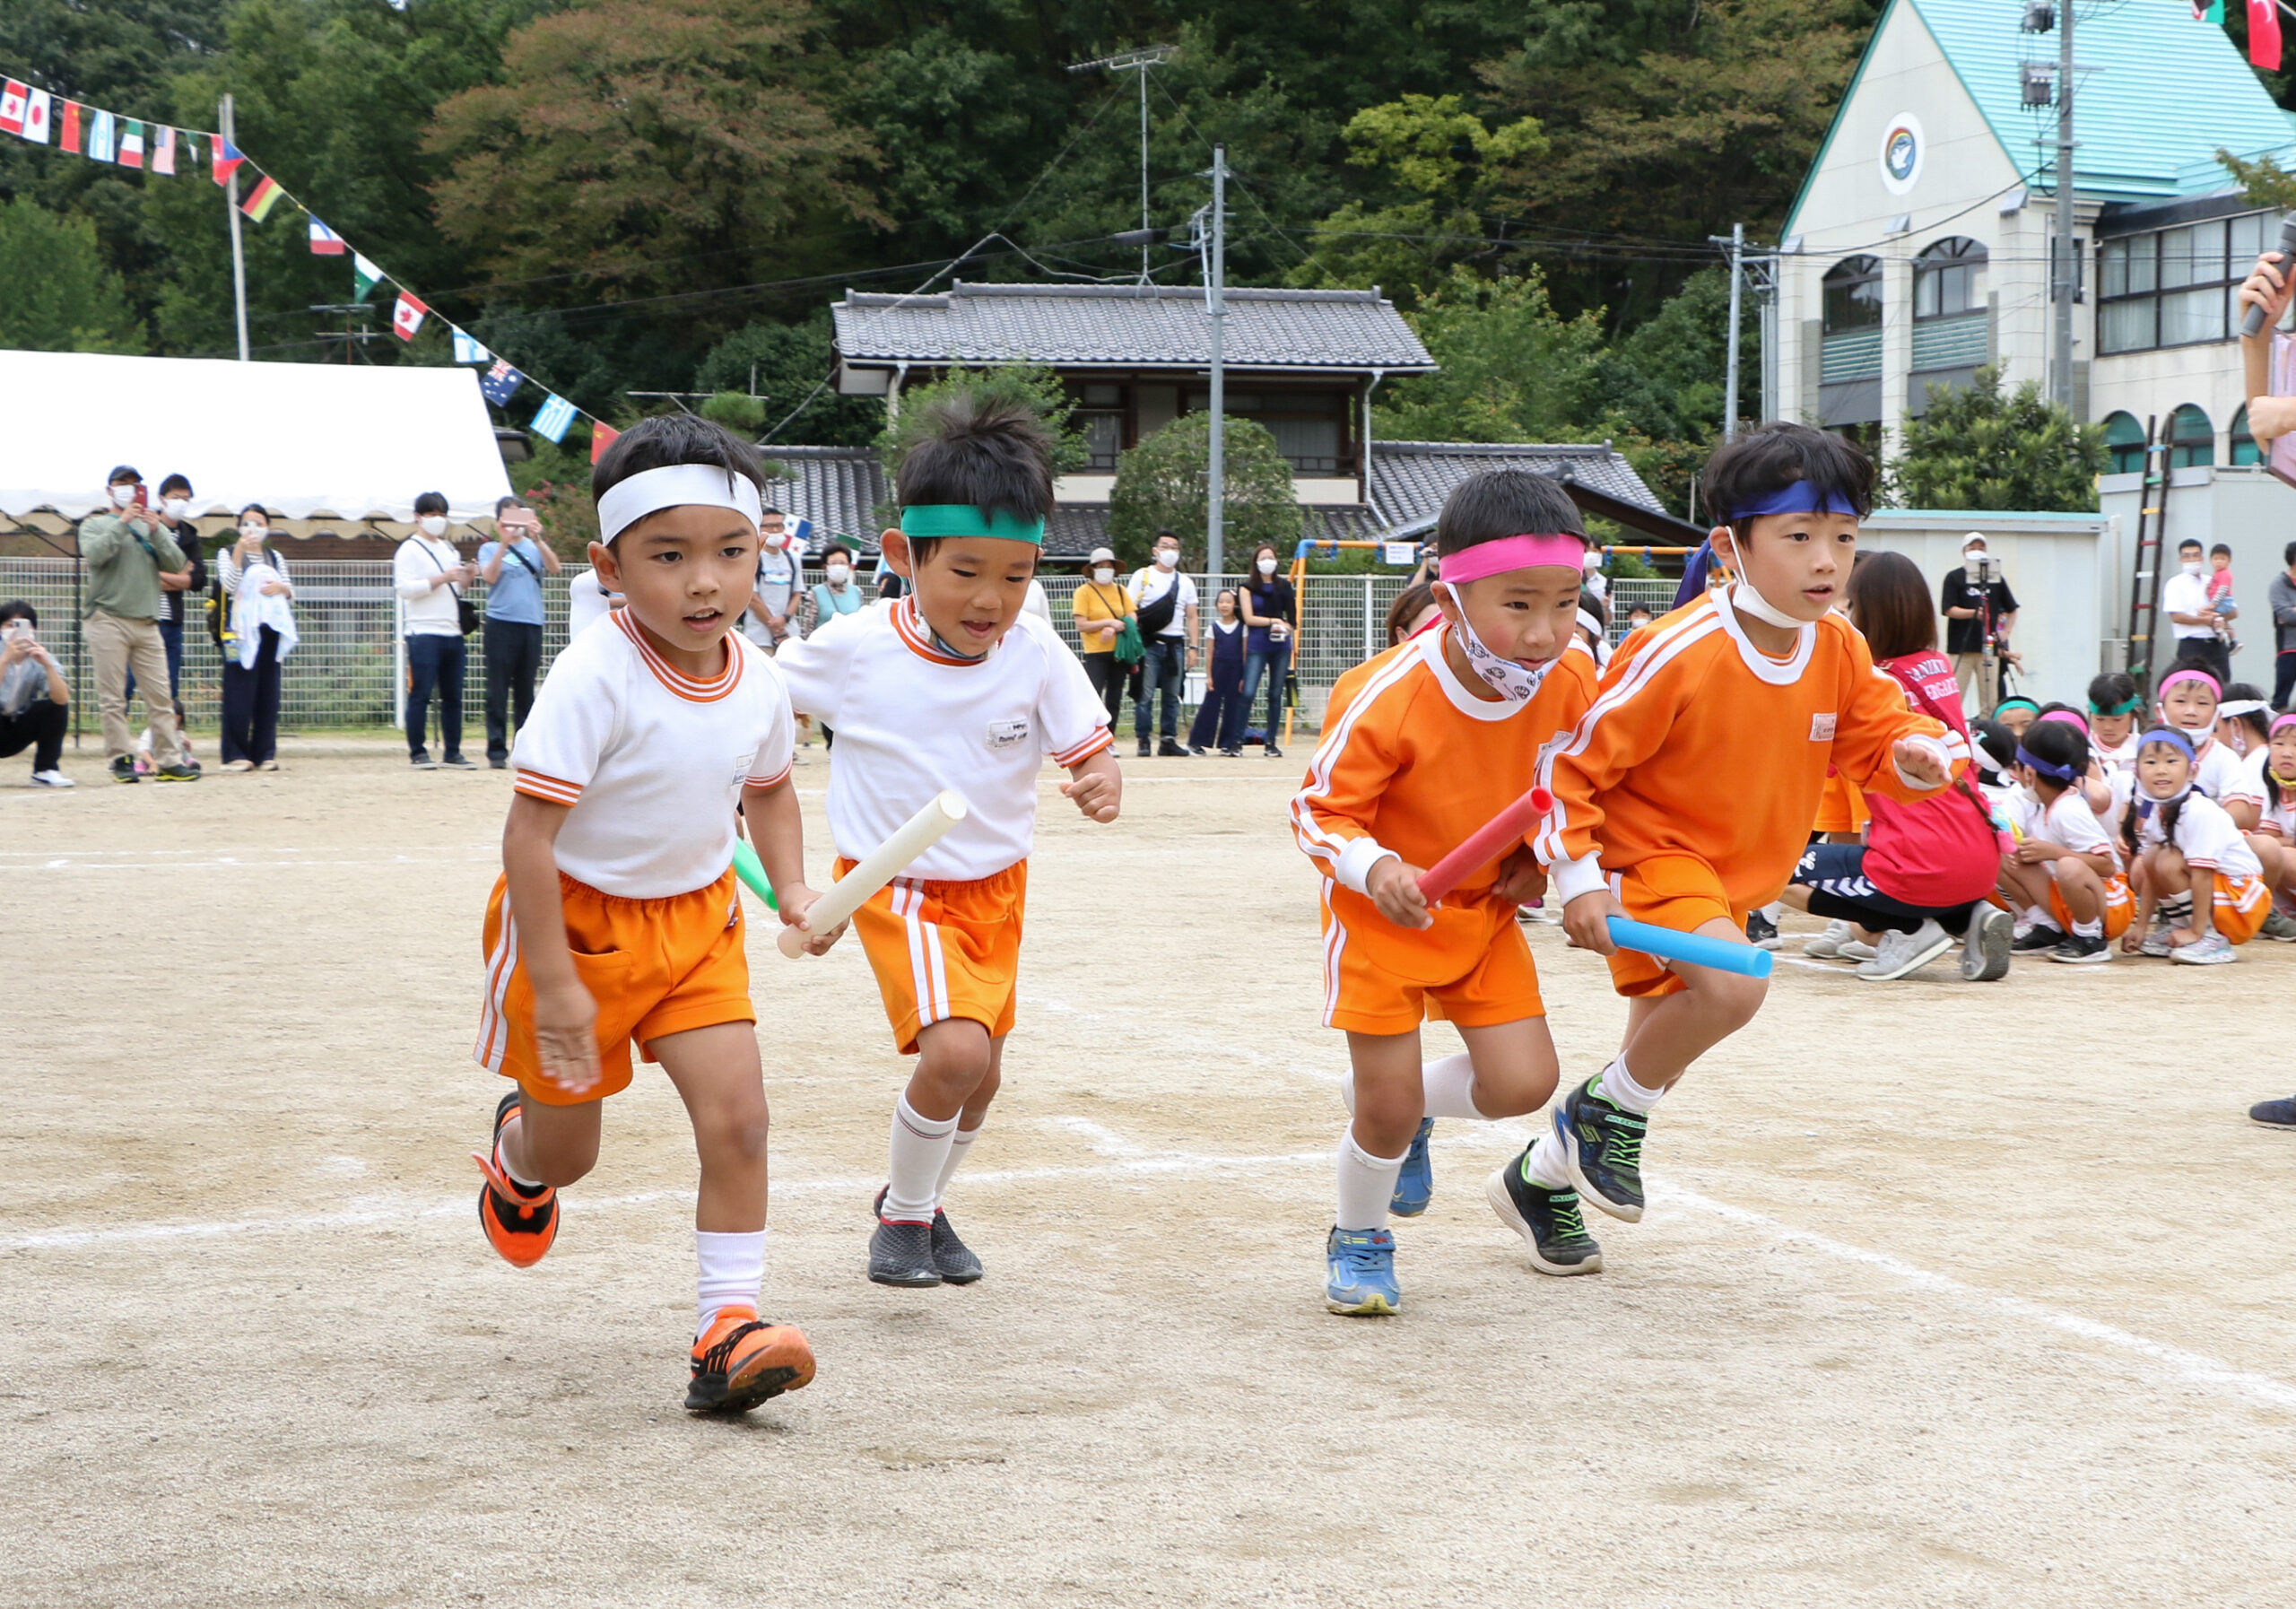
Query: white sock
(1617, 1087)
(1367, 1183)
(920, 1146)
(2035, 917)
(1449, 1086)
(502, 1160)
(2095, 929)
(960, 1147)
(1546, 1166)
(732, 1273)
(1773, 911)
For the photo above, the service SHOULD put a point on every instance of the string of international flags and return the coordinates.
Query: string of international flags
(43, 118)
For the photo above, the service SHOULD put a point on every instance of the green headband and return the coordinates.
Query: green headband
(963, 519)
(2129, 708)
(2020, 702)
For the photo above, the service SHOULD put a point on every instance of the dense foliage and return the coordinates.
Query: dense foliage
(1980, 448)
(1160, 486)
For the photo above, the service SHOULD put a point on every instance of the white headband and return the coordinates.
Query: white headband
(2242, 707)
(673, 486)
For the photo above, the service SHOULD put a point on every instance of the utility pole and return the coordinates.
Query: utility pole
(1736, 245)
(1137, 61)
(2067, 262)
(1216, 286)
(231, 214)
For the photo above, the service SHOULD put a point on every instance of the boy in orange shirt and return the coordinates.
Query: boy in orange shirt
(1684, 797)
(1423, 745)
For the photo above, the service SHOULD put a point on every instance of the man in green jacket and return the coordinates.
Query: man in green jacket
(126, 550)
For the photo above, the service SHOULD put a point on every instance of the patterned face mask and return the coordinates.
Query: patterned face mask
(1511, 680)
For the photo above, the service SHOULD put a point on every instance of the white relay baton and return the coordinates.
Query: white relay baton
(849, 892)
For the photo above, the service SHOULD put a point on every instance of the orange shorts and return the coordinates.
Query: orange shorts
(2120, 906)
(1364, 996)
(1842, 807)
(945, 950)
(1678, 891)
(2241, 906)
(655, 967)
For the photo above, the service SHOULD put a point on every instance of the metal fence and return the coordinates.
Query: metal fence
(345, 671)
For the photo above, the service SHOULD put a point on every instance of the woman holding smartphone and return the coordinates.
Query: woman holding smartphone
(1271, 612)
(263, 621)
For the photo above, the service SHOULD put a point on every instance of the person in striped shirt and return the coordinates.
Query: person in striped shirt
(1686, 796)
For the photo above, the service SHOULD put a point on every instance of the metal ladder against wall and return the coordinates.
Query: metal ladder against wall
(2151, 537)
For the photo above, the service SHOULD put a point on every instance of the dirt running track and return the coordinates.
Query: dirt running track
(1949, 1294)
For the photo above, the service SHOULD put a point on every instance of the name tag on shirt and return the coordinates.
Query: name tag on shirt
(1822, 729)
(1007, 734)
(742, 763)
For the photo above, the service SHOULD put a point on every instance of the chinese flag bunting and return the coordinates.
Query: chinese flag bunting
(602, 435)
(70, 140)
(2264, 34)
(407, 315)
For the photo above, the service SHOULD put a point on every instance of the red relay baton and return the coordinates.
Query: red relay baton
(1493, 838)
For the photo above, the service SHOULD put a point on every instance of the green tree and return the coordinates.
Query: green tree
(1512, 369)
(1978, 448)
(56, 294)
(1161, 485)
(2263, 181)
(787, 363)
(1038, 390)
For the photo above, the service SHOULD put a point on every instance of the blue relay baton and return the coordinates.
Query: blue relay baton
(1695, 948)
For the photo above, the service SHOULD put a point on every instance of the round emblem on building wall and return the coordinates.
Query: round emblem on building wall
(1902, 148)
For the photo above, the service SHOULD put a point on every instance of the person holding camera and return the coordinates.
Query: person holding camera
(33, 696)
(126, 551)
(1978, 609)
(254, 577)
(429, 574)
(512, 566)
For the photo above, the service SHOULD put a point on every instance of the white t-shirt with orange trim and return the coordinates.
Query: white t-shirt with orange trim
(912, 720)
(2207, 837)
(651, 761)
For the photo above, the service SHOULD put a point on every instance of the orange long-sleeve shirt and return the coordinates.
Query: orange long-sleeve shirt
(1700, 744)
(1410, 762)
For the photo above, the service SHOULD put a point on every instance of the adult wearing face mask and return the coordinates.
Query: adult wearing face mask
(836, 593)
(512, 566)
(767, 621)
(1100, 608)
(176, 584)
(2184, 599)
(1969, 604)
(1272, 612)
(1170, 624)
(126, 551)
(254, 577)
(428, 574)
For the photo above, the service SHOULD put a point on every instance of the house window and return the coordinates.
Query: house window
(2125, 443)
(1944, 278)
(1853, 295)
(1103, 438)
(2245, 449)
(2192, 439)
(1310, 427)
(2176, 287)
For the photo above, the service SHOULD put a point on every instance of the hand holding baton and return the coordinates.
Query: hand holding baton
(849, 892)
(1494, 838)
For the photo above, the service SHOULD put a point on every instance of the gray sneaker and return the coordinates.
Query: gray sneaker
(1899, 954)
(2209, 950)
(1828, 944)
(424, 763)
(1984, 947)
(901, 1254)
(2279, 926)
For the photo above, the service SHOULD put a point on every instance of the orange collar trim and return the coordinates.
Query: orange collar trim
(676, 680)
(918, 636)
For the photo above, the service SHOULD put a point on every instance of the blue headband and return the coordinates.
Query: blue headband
(1796, 497)
(2046, 768)
(2170, 736)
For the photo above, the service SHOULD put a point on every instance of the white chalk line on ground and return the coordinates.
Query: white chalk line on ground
(1122, 1157)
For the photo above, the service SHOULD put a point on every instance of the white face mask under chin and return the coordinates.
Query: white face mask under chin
(1512, 680)
(1747, 601)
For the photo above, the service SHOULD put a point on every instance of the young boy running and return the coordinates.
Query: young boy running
(617, 917)
(1422, 745)
(1685, 796)
(952, 686)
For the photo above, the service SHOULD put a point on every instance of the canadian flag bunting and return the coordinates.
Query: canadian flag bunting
(406, 316)
(12, 107)
(36, 109)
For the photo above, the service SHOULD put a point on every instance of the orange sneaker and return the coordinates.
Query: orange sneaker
(740, 1362)
(520, 1221)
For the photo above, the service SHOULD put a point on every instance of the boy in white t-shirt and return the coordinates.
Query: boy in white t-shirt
(2066, 874)
(617, 917)
(952, 686)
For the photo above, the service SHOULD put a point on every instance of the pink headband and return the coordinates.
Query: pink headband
(1496, 558)
(2068, 718)
(2283, 721)
(2191, 674)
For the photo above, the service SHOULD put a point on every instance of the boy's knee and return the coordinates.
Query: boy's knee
(1738, 998)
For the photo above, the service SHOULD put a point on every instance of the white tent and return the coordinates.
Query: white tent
(300, 438)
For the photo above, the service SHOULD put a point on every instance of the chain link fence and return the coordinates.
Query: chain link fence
(345, 671)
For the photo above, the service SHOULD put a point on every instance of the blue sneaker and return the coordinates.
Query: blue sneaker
(1602, 1146)
(1359, 1275)
(1416, 1185)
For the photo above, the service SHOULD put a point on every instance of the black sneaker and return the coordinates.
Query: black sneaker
(2274, 1114)
(2078, 951)
(901, 1254)
(1762, 933)
(123, 768)
(458, 763)
(1274, 752)
(423, 762)
(1169, 750)
(497, 762)
(2040, 935)
(952, 1258)
(174, 772)
(1602, 1146)
(1547, 1220)
(1143, 748)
